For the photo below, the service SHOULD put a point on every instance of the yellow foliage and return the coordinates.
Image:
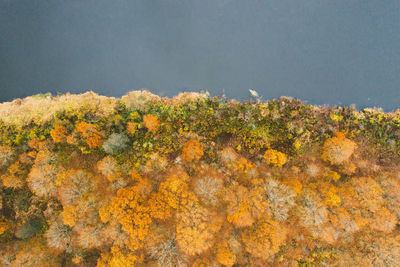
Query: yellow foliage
(131, 128)
(151, 122)
(159, 207)
(225, 255)
(243, 165)
(201, 262)
(175, 192)
(117, 258)
(131, 210)
(69, 215)
(12, 181)
(274, 157)
(196, 227)
(329, 193)
(244, 205)
(338, 149)
(332, 175)
(264, 238)
(192, 150)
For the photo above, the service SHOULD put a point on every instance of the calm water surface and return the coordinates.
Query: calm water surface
(324, 52)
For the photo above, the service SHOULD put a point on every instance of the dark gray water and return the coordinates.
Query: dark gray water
(325, 52)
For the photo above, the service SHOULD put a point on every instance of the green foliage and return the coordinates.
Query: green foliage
(29, 229)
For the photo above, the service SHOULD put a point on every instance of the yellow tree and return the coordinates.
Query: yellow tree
(264, 238)
(196, 227)
(118, 257)
(130, 209)
(224, 254)
(274, 157)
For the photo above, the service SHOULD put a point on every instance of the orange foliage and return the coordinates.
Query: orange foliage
(69, 215)
(131, 128)
(264, 238)
(328, 192)
(244, 205)
(15, 175)
(192, 150)
(59, 134)
(225, 255)
(338, 149)
(131, 210)
(175, 192)
(151, 122)
(243, 166)
(294, 184)
(3, 227)
(159, 207)
(34, 144)
(201, 262)
(90, 133)
(362, 193)
(27, 158)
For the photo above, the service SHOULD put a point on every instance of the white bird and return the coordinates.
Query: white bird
(254, 93)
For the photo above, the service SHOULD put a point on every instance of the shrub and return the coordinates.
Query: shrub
(115, 143)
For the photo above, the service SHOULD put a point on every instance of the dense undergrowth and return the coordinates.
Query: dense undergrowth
(89, 180)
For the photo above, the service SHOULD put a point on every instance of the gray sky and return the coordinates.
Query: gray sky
(325, 52)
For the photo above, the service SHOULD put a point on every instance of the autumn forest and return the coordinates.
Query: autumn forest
(194, 180)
